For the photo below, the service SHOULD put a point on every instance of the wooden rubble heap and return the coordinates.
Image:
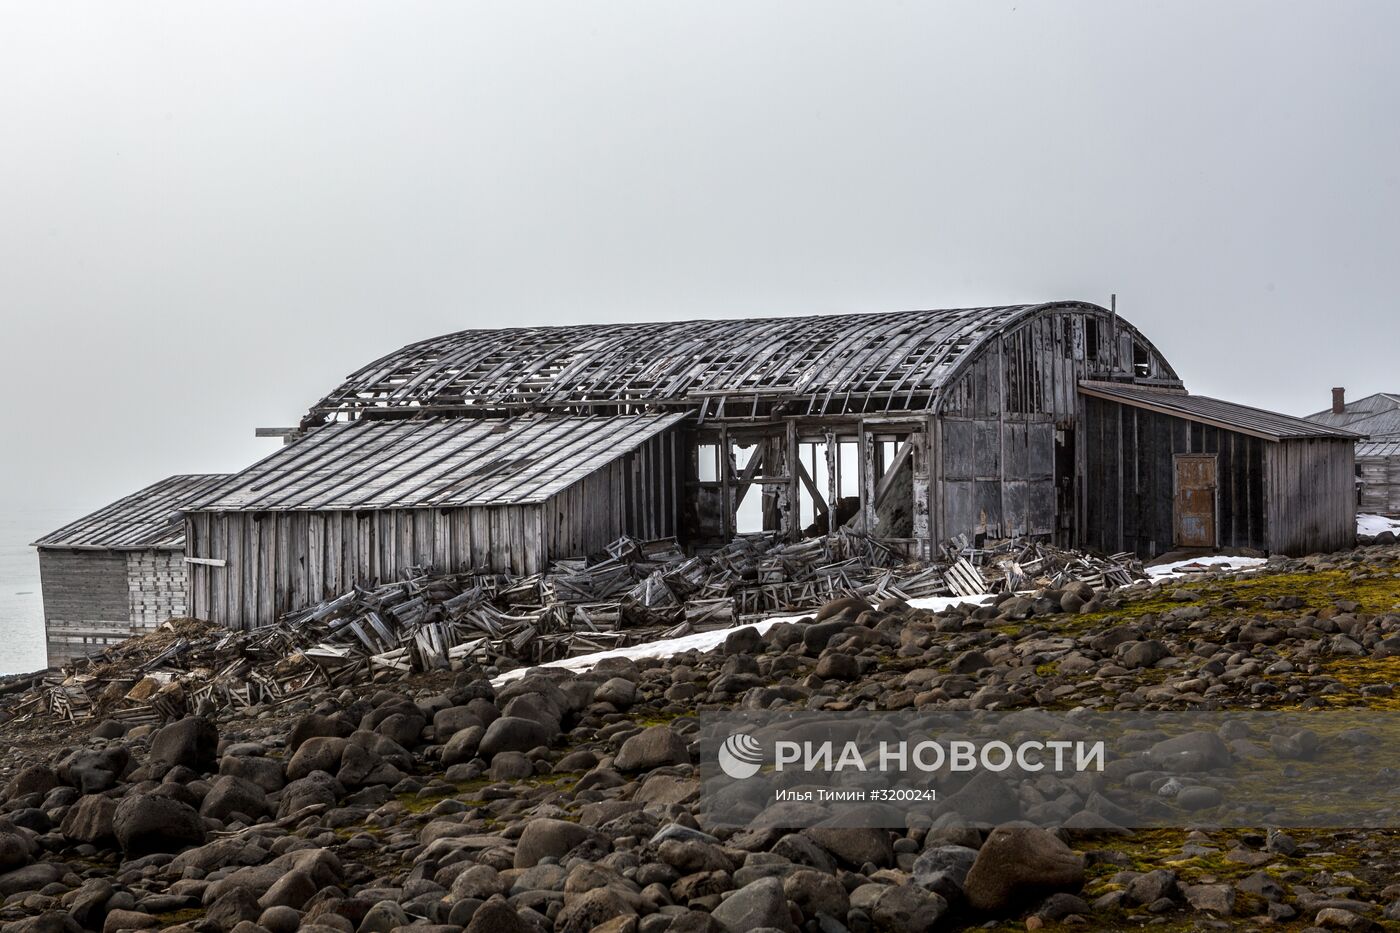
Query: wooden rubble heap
(640, 591)
(1017, 566)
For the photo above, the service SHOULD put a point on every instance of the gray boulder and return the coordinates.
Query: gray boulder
(463, 745)
(1018, 864)
(192, 742)
(1194, 751)
(448, 722)
(1136, 654)
(230, 794)
(817, 893)
(267, 773)
(907, 908)
(91, 820)
(149, 823)
(943, 869)
(92, 771)
(653, 747)
(313, 726)
(316, 788)
(403, 728)
(514, 734)
(855, 846)
(548, 838)
(478, 881)
(618, 691)
(293, 890)
(15, 851)
(497, 916)
(34, 779)
(31, 877)
(319, 753)
(383, 917)
(758, 905)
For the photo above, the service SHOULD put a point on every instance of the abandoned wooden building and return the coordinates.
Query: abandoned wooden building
(117, 572)
(1377, 417)
(504, 450)
(1378, 477)
(1172, 470)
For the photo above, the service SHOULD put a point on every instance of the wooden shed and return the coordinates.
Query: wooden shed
(360, 501)
(915, 429)
(117, 572)
(1378, 475)
(1166, 470)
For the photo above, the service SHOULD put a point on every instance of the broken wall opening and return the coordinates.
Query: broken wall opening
(803, 484)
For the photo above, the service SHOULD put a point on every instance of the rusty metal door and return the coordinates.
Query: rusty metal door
(1193, 502)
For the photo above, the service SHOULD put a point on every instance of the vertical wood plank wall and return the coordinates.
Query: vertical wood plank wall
(1312, 498)
(1380, 484)
(280, 561)
(996, 431)
(1130, 474)
(1284, 496)
(87, 603)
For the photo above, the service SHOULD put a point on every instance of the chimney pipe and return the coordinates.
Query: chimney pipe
(1339, 401)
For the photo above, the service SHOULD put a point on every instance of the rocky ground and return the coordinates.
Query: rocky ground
(566, 802)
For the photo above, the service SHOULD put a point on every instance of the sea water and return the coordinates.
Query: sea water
(21, 603)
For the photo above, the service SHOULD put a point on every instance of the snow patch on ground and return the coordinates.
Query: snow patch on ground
(707, 641)
(1181, 568)
(704, 641)
(1374, 524)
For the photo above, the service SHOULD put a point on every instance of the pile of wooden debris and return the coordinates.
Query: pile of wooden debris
(641, 591)
(1018, 566)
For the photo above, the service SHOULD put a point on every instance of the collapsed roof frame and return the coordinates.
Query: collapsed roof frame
(815, 366)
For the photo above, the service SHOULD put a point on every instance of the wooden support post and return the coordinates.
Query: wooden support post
(922, 481)
(793, 463)
(1004, 387)
(775, 505)
(866, 442)
(833, 479)
(726, 477)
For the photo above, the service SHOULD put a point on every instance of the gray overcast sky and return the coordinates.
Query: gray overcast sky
(210, 213)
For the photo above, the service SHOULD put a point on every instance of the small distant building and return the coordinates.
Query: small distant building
(117, 572)
(1377, 417)
(1378, 472)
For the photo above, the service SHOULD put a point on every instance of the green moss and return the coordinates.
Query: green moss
(656, 719)
(1244, 596)
(188, 915)
(465, 791)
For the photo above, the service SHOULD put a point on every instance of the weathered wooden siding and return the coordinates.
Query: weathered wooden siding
(1127, 486)
(95, 597)
(275, 562)
(1380, 484)
(1291, 496)
(1015, 407)
(86, 603)
(1312, 499)
(156, 584)
(637, 495)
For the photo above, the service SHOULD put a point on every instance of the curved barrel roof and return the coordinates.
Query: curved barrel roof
(817, 364)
